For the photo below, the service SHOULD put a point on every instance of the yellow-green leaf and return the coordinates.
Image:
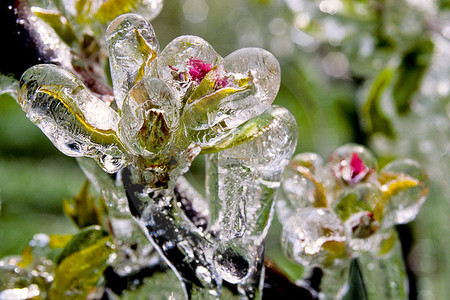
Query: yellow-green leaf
(245, 132)
(82, 209)
(79, 272)
(386, 244)
(59, 23)
(85, 238)
(59, 241)
(111, 9)
(396, 183)
(148, 54)
(27, 257)
(320, 193)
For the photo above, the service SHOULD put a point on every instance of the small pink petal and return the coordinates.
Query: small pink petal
(198, 69)
(357, 165)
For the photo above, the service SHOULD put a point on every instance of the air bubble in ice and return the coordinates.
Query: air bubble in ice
(230, 265)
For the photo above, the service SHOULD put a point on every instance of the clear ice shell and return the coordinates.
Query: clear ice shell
(334, 283)
(232, 263)
(309, 232)
(132, 46)
(184, 246)
(249, 81)
(150, 115)
(361, 208)
(340, 163)
(387, 271)
(133, 251)
(264, 72)
(405, 192)
(75, 121)
(172, 66)
(243, 180)
(242, 183)
(303, 185)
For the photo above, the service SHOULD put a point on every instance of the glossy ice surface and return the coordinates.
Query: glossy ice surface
(169, 106)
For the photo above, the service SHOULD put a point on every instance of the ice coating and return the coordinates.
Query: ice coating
(132, 249)
(77, 122)
(172, 65)
(150, 114)
(202, 260)
(355, 220)
(240, 88)
(263, 70)
(217, 94)
(242, 183)
(22, 281)
(303, 185)
(171, 106)
(308, 234)
(386, 270)
(405, 183)
(149, 9)
(351, 163)
(185, 97)
(361, 208)
(243, 170)
(132, 46)
(182, 244)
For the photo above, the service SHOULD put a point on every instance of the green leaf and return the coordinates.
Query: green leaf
(85, 238)
(154, 133)
(205, 87)
(59, 23)
(357, 289)
(320, 193)
(384, 276)
(206, 97)
(243, 133)
(394, 183)
(111, 9)
(147, 51)
(161, 286)
(78, 273)
(83, 7)
(414, 63)
(373, 115)
(348, 205)
(58, 241)
(83, 210)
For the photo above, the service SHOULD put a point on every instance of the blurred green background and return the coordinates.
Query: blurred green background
(332, 56)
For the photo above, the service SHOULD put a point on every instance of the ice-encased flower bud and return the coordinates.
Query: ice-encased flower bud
(352, 163)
